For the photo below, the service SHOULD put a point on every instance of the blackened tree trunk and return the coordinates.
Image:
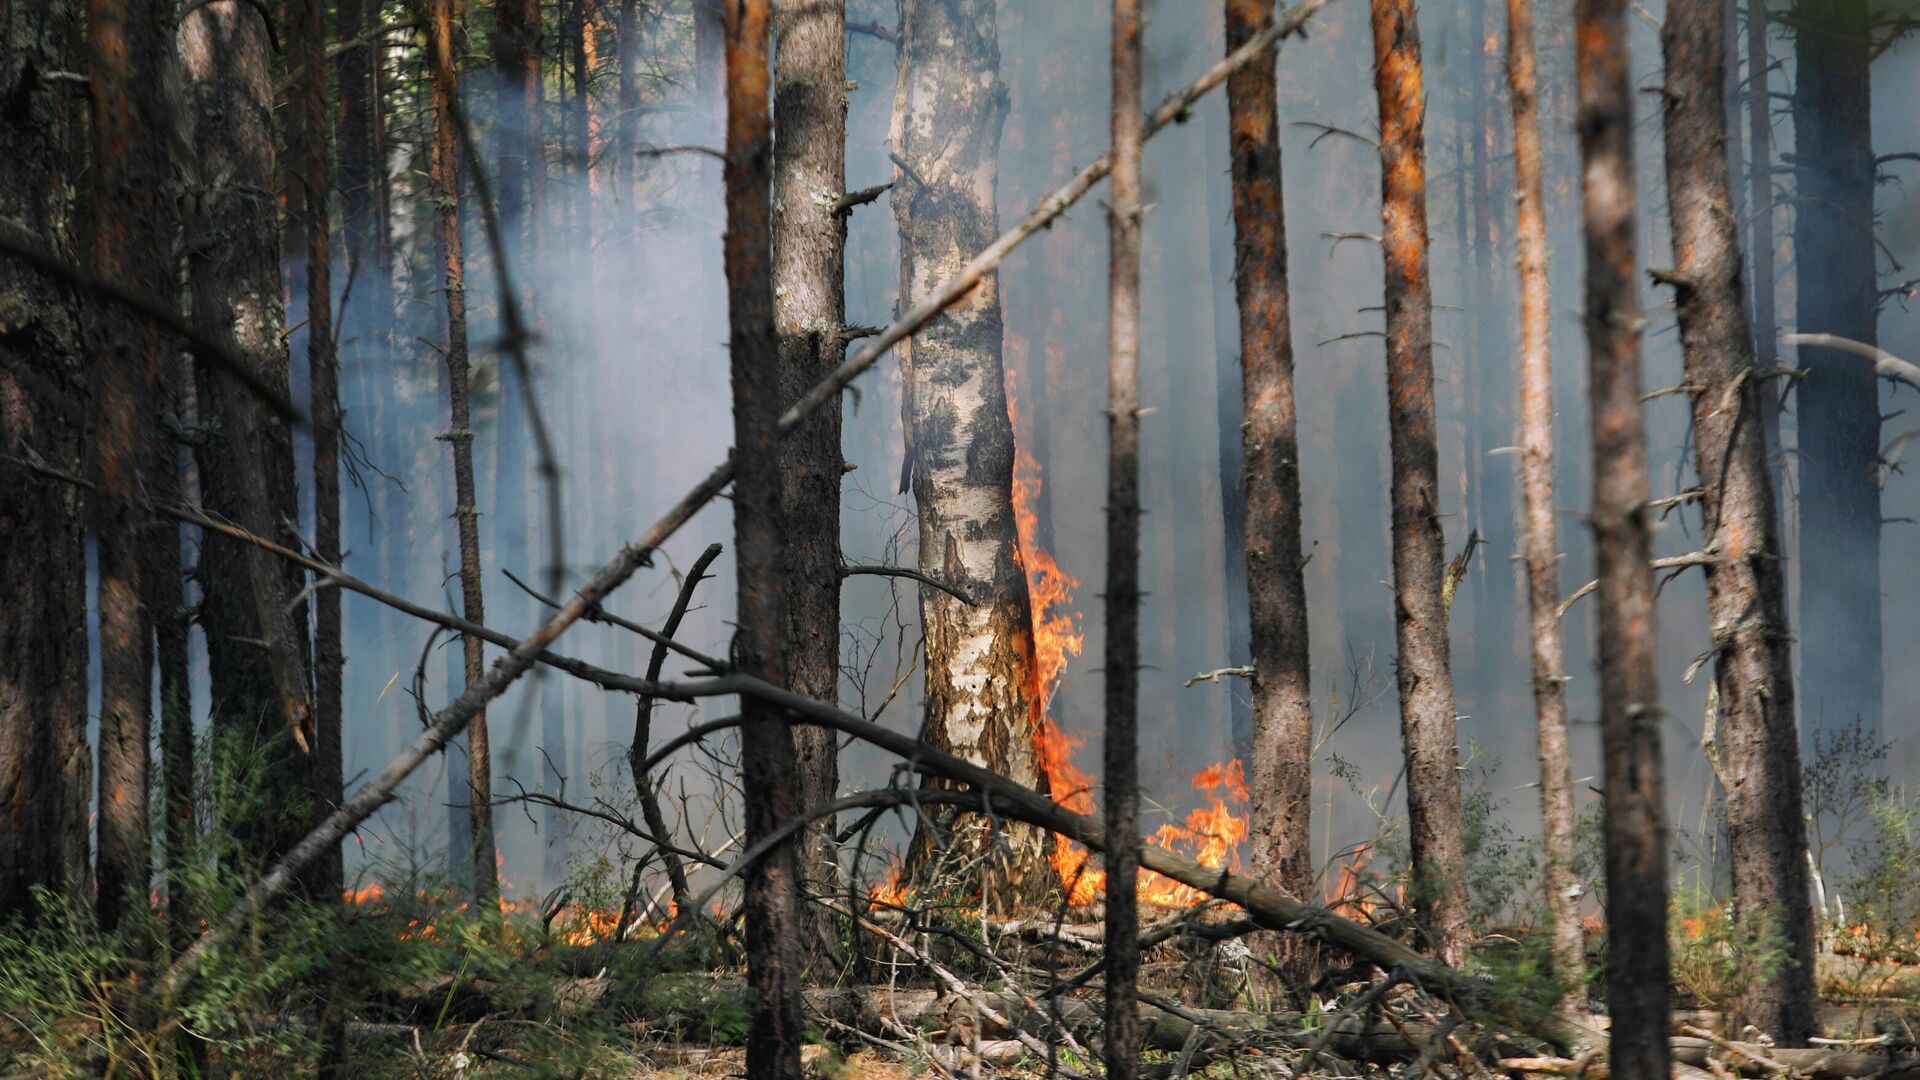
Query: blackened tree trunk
(1282, 743)
(131, 227)
(44, 770)
(1420, 617)
(1759, 746)
(949, 106)
(256, 638)
(809, 316)
(517, 55)
(1540, 546)
(769, 781)
(307, 107)
(166, 601)
(1630, 714)
(1766, 344)
(445, 92)
(1121, 666)
(1838, 402)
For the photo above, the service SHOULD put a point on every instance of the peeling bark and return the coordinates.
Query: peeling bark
(949, 106)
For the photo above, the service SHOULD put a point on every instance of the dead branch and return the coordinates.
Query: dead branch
(903, 572)
(843, 206)
(1243, 672)
(1670, 562)
(455, 717)
(1885, 364)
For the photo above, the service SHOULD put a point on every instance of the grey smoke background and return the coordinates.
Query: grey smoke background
(632, 376)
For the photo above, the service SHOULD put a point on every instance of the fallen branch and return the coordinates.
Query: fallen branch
(453, 719)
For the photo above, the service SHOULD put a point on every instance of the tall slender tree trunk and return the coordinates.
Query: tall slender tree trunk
(45, 774)
(1121, 666)
(256, 636)
(809, 317)
(949, 106)
(1420, 617)
(1838, 402)
(769, 779)
(1540, 546)
(131, 219)
(1746, 591)
(517, 55)
(1630, 713)
(1494, 600)
(1766, 343)
(447, 194)
(306, 29)
(172, 623)
(1282, 742)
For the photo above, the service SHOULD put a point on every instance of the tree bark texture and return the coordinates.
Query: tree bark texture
(45, 774)
(1630, 715)
(949, 106)
(307, 31)
(1838, 402)
(1760, 253)
(1420, 618)
(769, 781)
(1282, 743)
(445, 91)
(809, 317)
(1746, 591)
(131, 216)
(1540, 546)
(256, 637)
(1121, 662)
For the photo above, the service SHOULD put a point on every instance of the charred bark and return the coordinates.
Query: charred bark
(445, 91)
(1630, 715)
(949, 106)
(1282, 743)
(1121, 666)
(44, 769)
(769, 781)
(1759, 745)
(809, 316)
(1838, 402)
(256, 637)
(1420, 619)
(1540, 546)
(131, 219)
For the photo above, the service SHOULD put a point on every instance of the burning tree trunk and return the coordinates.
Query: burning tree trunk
(1540, 547)
(1420, 617)
(809, 316)
(131, 228)
(446, 190)
(1122, 660)
(770, 786)
(1282, 744)
(1838, 400)
(1629, 695)
(1753, 672)
(44, 771)
(306, 28)
(256, 635)
(948, 109)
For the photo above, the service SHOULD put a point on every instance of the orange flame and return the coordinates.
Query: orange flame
(888, 893)
(1210, 835)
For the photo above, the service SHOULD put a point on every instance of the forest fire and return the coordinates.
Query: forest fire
(1211, 834)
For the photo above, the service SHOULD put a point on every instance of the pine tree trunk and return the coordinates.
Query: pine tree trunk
(447, 194)
(1540, 545)
(1630, 715)
(1425, 676)
(167, 603)
(949, 107)
(1838, 402)
(1766, 345)
(45, 775)
(256, 639)
(131, 218)
(809, 317)
(1282, 743)
(307, 32)
(1120, 666)
(1759, 745)
(770, 786)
